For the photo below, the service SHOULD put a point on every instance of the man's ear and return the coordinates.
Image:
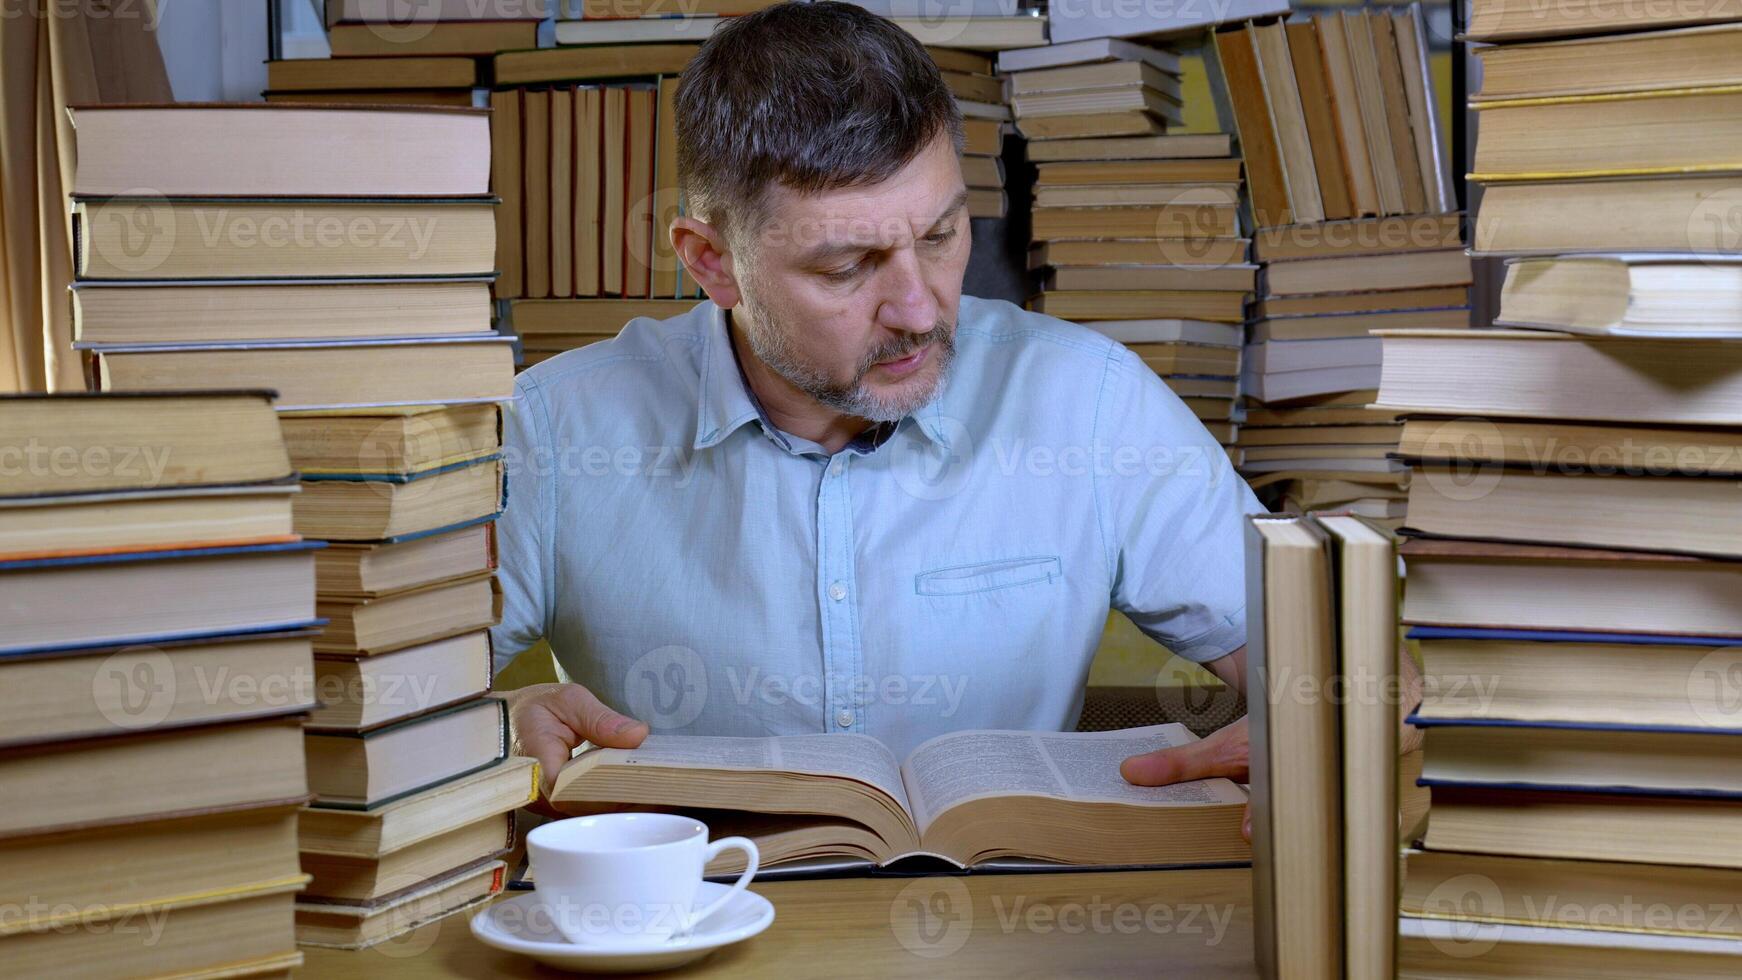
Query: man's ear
(703, 251)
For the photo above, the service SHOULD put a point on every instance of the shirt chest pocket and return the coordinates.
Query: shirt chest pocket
(989, 576)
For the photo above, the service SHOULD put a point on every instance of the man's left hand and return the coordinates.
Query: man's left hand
(1225, 753)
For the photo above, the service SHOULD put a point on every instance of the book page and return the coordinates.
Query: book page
(952, 769)
(858, 757)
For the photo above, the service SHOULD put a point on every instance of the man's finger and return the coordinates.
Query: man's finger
(589, 718)
(1163, 767)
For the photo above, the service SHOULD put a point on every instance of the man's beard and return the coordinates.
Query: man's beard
(771, 341)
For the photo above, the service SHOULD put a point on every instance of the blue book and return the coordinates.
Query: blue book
(80, 602)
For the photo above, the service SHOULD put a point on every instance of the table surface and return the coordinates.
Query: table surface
(1181, 923)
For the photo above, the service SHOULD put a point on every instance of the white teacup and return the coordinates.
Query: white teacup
(628, 879)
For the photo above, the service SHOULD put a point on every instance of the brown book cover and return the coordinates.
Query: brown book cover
(1418, 547)
(638, 192)
(562, 192)
(505, 183)
(1276, 69)
(1316, 103)
(614, 209)
(535, 160)
(1257, 134)
(1397, 113)
(1370, 99)
(589, 186)
(666, 200)
(1345, 107)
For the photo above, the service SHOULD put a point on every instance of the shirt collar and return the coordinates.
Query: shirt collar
(724, 403)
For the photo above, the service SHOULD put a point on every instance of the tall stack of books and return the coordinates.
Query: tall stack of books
(1136, 232)
(156, 616)
(1573, 581)
(338, 255)
(1350, 192)
(980, 94)
(388, 390)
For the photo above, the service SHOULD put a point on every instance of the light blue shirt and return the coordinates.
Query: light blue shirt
(702, 571)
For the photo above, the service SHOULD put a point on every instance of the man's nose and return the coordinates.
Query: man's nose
(908, 303)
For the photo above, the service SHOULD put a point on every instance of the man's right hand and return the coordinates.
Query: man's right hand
(549, 720)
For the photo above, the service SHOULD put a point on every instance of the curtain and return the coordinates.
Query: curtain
(55, 53)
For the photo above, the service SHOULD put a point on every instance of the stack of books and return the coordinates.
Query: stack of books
(1093, 88)
(406, 501)
(1350, 192)
(1572, 588)
(1323, 668)
(1136, 233)
(1618, 142)
(1573, 581)
(388, 407)
(338, 255)
(980, 94)
(155, 668)
(396, 29)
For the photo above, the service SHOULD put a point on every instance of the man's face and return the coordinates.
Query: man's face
(851, 295)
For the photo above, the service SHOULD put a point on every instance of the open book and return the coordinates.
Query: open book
(966, 797)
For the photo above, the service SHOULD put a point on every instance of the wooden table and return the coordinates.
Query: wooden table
(1192, 923)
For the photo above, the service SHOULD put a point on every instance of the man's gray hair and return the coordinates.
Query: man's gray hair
(812, 96)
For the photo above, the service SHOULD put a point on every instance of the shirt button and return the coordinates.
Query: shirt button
(844, 718)
(837, 591)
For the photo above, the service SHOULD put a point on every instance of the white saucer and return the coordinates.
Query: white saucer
(516, 925)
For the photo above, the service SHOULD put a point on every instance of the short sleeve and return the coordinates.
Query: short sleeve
(1172, 514)
(523, 542)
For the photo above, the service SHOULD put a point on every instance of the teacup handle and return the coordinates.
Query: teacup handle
(744, 844)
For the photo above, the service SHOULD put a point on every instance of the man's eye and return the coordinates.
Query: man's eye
(938, 238)
(842, 275)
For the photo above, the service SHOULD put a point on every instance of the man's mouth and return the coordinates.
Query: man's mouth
(903, 366)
